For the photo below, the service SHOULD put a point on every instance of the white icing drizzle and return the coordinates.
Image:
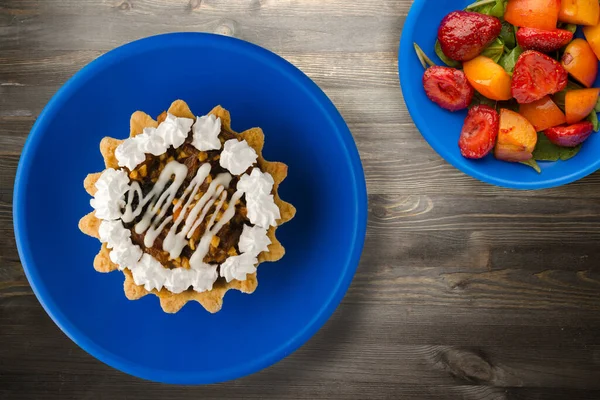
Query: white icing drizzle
(176, 241)
(151, 221)
(154, 221)
(205, 240)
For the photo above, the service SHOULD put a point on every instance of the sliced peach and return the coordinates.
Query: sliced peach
(541, 14)
(516, 137)
(488, 78)
(515, 129)
(581, 12)
(542, 114)
(580, 62)
(579, 104)
(512, 153)
(592, 34)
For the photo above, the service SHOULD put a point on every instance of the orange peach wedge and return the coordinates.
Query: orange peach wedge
(541, 14)
(580, 12)
(592, 35)
(580, 103)
(580, 62)
(488, 78)
(516, 138)
(542, 114)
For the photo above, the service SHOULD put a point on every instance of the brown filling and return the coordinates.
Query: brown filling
(225, 242)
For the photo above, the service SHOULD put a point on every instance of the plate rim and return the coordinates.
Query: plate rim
(303, 82)
(405, 50)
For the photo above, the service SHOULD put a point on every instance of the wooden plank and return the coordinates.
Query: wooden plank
(105, 31)
(427, 213)
(478, 251)
(38, 68)
(259, 8)
(509, 289)
(13, 132)
(289, 390)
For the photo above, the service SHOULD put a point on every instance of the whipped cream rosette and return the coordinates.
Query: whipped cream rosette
(186, 207)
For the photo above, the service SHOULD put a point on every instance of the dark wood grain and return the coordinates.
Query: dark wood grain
(464, 291)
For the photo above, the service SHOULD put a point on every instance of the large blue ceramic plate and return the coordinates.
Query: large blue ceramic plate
(442, 128)
(295, 296)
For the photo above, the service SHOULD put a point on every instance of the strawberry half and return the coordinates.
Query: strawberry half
(448, 87)
(479, 132)
(535, 76)
(571, 135)
(541, 40)
(463, 35)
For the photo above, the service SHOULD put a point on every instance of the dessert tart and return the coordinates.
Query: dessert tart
(186, 208)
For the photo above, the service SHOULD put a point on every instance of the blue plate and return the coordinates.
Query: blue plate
(442, 128)
(295, 296)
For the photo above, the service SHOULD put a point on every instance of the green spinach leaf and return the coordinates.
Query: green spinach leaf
(498, 8)
(593, 118)
(508, 60)
(545, 150)
(481, 6)
(507, 34)
(559, 99)
(509, 104)
(570, 27)
(494, 8)
(445, 59)
(597, 108)
(494, 50)
(569, 152)
(423, 59)
(479, 99)
(533, 164)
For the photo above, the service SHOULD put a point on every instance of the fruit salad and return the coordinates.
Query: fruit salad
(524, 77)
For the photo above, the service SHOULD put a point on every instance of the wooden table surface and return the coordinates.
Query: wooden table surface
(464, 291)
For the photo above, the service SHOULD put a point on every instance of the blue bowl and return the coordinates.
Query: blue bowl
(295, 296)
(442, 128)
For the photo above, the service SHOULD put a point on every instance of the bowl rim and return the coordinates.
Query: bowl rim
(304, 83)
(404, 52)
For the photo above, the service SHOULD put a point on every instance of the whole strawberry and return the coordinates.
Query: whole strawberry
(448, 87)
(463, 35)
(541, 40)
